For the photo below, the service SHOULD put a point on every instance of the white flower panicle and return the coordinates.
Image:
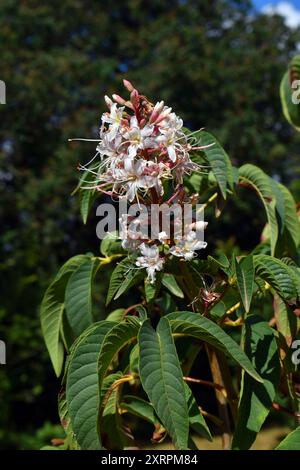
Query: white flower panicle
(140, 146)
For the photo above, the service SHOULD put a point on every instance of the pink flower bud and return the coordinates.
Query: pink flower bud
(118, 99)
(108, 101)
(134, 98)
(128, 85)
(156, 111)
(129, 105)
(163, 115)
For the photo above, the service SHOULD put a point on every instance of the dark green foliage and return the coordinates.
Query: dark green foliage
(58, 59)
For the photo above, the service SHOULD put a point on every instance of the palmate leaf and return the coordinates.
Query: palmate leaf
(284, 279)
(254, 177)
(256, 398)
(218, 160)
(198, 326)
(124, 276)
(291, 441)
(78, 297)
(162, 380)
(245, 279)
(86, 372)
(52, 309)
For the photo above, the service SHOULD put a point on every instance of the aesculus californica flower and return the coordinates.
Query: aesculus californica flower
(140, 147)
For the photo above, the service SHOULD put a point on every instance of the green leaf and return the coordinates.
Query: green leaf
(83, 387)
(70, 441)
(291, 110)
(89, 361)
(52, 309)
(284, 279)
(169, 281)
(291, 442)
(111, 245)
(72, 264)
(286, 321)
(256, 398)
(139, 407)
(254, 177)
(245, 280)
(124, 276)
(51, 318)
(218, 160)
(115, 339)
(198, 326)
(78, 297)
(291, 221)
(197, 422)
(112, 435)
(151, 289)
(134, 360)
(86, 198)
(162, 380)
(116, 315)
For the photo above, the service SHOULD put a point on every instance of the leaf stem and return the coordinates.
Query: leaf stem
(278, 407)
(116, 384)
(208, 383)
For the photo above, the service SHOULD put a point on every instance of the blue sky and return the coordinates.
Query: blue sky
(289, 9)
(261, 3)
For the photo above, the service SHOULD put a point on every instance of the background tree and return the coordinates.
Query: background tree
(216, 62)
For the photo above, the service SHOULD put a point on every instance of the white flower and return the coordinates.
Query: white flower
(130, 239)
(114, 118)
(137, 175)
(172, 122)
(150, 260)
(183, 166)
(162, 237)
(138, 138)
(168, 139)
(186, 246)
(131, 245)
(109, 147)
(172, 137)
(133, 171)
(199, 226)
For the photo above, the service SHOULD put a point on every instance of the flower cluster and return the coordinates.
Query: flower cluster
(141, 146)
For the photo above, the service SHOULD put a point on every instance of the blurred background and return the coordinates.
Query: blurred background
(218, 63)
